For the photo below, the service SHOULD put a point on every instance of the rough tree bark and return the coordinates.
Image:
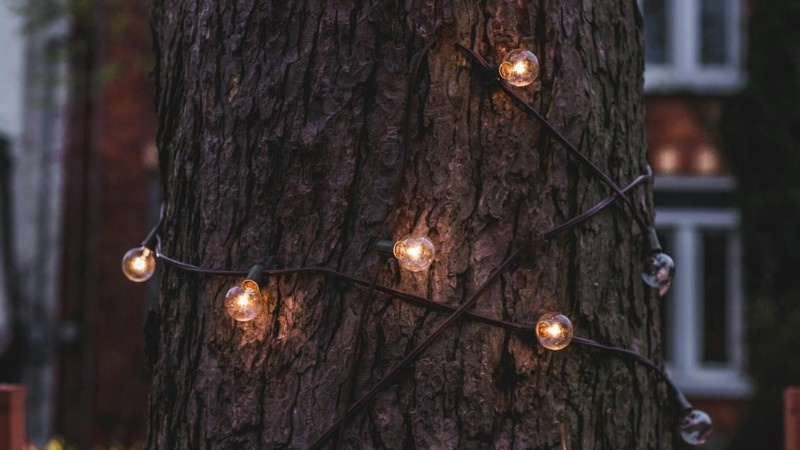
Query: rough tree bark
(281, 142)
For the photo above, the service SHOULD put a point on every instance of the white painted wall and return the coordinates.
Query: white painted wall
(12, 69)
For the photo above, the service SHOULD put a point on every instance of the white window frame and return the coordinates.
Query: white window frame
(685, 309)
(38, 199)
(684, 71)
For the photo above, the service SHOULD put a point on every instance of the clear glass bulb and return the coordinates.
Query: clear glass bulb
(519, 68)
(414, 253)
(243, 303)
(658, 272)
(696, 427)
(138, 264)
(554, 331)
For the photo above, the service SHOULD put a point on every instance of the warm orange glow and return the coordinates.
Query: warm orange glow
(414, 252)
(138, 264)
(706, 160)
(251, 286)
(554, 330)
(243, 304)
(519, 68)
(667, 159)
(243, 301)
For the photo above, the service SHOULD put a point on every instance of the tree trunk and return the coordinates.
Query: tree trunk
(282, 130)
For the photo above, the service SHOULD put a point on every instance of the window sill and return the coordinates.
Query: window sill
(701, 81)
(696, 183)
(711, 383)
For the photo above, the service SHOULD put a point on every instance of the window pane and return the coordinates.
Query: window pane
(715, 311)
(656, 41)
(713, 30)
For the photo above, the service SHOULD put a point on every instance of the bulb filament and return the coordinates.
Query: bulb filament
(554, 330)
(139, 264)
(414, 252)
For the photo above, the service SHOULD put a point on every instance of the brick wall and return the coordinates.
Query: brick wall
(103, 385)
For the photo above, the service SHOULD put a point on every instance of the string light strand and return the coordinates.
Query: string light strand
(560, 138)
(580, 218)
(417, 300)
(420, 301)
(355, 350)
(153, 244)
(412, 355)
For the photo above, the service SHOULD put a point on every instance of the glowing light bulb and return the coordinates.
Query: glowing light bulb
(414, 253)
(554, 331)
(696, 427)
(658, 272)
(138, 264)
(243, 303)
(519, 68)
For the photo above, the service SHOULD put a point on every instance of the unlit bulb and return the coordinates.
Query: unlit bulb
(696, 427)
(519, 68)
(658, 272)
(243, 303)
(554, 331)
(138, 264)
(414, 253)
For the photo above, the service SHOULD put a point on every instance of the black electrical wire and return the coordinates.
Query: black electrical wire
(461, 311)
(594, 209)
(456, 313)
(559, 137)
(423, 302)
(355, 350)
(430, 304)
(640, 359)
(412, 355)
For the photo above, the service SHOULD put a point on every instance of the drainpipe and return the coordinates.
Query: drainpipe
(12, 340)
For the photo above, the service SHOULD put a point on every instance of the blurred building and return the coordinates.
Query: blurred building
(77, 162)
(694, 51)
(77, 129)
(32, 128)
